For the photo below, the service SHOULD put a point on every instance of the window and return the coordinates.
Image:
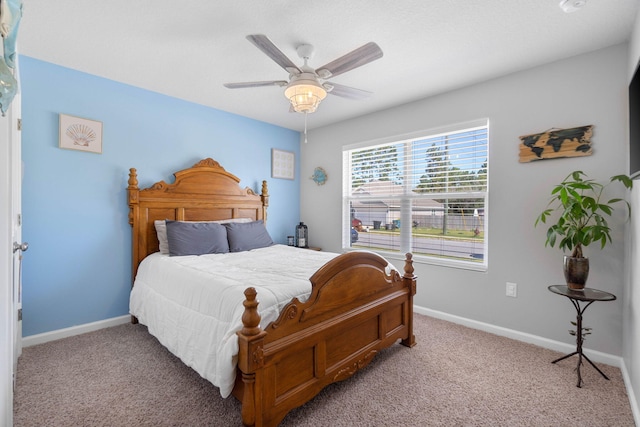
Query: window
(426, 195)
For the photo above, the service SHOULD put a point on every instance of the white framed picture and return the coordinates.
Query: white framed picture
(283, 164)
(80, 134)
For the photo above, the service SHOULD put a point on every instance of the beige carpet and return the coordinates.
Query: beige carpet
(455, 376)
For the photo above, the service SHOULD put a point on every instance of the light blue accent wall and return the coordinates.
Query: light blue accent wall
(75, 213)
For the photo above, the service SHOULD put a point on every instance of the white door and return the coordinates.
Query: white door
(10, 238)
(18, 246)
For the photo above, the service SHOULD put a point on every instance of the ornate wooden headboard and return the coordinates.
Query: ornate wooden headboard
(204, 192)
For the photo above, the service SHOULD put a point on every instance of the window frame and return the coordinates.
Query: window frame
(406, 240)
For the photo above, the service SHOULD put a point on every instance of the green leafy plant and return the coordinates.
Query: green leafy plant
(582, 213)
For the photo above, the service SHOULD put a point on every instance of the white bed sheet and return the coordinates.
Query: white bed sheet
(193, 304)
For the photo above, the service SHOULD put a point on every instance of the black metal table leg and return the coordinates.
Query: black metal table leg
(575, 297)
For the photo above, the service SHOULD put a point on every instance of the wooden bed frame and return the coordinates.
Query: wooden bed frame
(355, 308)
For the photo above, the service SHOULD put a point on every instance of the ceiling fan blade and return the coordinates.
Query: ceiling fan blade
(242, 85)
(356, 58)
(263, 43)
(346, 91)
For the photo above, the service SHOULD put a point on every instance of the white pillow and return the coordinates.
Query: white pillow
(161, 230)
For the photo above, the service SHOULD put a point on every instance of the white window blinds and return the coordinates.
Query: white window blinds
(426, 195)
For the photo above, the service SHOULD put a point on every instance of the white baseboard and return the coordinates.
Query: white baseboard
(595, 356)
(74, 330)
(635, 409)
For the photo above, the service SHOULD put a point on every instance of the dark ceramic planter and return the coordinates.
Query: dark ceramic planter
(576, 271)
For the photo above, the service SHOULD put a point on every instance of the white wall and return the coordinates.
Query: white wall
(584, 90)
(631, 309)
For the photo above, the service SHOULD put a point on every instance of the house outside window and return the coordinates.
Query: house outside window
(426, 194)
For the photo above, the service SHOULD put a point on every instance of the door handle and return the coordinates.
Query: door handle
(20, 246)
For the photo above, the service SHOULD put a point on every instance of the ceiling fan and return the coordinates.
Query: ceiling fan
(306, 87)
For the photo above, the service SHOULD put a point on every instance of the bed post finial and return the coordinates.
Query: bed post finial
(132, 191)
(409, 277)
(265, 200)
(133, 179)
(250, 317)
(265, 193)
(408, 265)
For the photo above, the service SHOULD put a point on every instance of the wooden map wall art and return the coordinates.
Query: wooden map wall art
(554, 143)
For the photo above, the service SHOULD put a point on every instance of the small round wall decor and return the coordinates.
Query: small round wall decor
(319, 176)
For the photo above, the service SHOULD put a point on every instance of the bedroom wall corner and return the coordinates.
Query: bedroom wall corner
(631, 307)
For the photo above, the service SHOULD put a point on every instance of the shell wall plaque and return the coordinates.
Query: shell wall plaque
(77, 133)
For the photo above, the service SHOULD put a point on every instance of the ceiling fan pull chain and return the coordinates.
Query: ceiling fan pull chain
(305, 127)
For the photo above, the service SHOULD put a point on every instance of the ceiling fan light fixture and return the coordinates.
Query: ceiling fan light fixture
(569, 6)
(305, 94)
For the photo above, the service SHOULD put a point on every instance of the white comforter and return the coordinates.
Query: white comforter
(193, 304)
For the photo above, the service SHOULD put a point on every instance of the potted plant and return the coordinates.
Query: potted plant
(581, 221)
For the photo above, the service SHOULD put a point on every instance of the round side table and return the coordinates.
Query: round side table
(588, 296)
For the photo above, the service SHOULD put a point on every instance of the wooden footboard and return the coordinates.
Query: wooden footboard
(356, 308)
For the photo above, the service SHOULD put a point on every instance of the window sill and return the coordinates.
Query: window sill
(418, 259)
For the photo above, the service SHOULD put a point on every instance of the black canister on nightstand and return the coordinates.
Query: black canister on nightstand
(302, 235)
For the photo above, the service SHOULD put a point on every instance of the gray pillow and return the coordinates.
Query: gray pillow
(247, 236)
(196, 238)
(161, 231)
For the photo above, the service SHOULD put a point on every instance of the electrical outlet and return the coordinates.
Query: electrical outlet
(512, 289)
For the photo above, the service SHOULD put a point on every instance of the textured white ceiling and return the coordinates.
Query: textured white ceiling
(188, 49)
